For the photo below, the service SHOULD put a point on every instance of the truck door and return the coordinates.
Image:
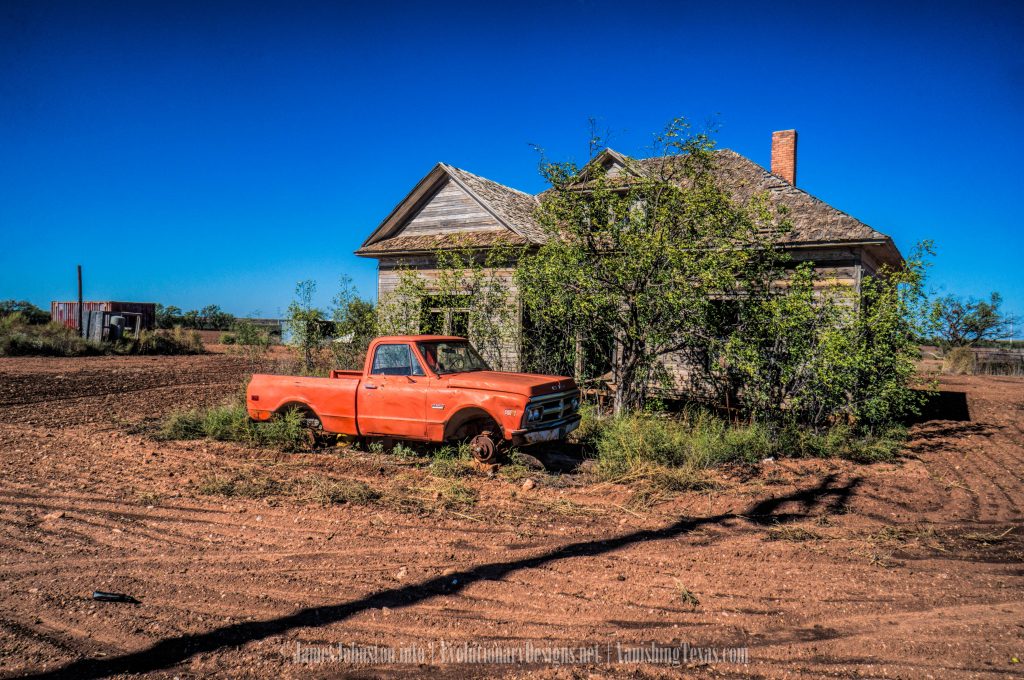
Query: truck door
(392, 398)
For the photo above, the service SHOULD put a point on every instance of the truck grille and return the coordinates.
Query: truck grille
(556, 407)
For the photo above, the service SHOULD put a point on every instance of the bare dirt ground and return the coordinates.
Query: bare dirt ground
(817, 568)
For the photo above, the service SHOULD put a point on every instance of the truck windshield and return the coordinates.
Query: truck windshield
(451, 357)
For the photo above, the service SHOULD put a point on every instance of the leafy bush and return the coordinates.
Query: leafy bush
(231, 422)
(815, 354)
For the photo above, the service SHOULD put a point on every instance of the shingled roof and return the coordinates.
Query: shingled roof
(813, 221)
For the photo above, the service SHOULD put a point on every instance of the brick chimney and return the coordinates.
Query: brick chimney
(784, 155)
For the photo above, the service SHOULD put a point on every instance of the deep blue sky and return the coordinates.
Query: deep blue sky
(217, 152)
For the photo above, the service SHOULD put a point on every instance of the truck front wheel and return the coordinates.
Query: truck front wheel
(484, 448)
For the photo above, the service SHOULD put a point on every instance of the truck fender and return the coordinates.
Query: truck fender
(308, 411)
(460, 423)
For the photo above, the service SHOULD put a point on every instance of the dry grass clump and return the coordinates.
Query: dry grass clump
(960, 361)
(327, 491)
(242, 484)
(18, 337)
(791, 532)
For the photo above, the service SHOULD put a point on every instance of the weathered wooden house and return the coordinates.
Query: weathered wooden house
(452, 208)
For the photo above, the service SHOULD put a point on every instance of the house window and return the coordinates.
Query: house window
(445, 315)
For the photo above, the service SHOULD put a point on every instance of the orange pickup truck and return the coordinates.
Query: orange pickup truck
(427, 388)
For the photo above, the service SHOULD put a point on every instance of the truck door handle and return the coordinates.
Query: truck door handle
(370, 387)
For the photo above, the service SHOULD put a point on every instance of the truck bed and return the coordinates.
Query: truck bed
(335, 398)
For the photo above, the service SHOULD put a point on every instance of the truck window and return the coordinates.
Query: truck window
(395, 360)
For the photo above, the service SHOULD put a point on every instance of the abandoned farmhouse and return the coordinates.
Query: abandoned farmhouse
(451, 208)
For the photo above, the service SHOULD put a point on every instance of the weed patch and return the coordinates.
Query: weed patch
(231, 422)
(675, 453)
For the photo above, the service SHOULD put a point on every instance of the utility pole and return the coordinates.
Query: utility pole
(81, 331)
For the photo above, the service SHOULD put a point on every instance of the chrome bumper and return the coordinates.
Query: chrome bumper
(549, 432)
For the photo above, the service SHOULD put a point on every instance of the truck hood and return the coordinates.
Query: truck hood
(526, 384)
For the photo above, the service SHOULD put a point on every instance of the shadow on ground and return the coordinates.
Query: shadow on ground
(943, 405)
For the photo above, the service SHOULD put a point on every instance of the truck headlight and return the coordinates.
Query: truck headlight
(533, 413)
(575, 403)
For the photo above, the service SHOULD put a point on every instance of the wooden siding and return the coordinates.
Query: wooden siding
(450, 210)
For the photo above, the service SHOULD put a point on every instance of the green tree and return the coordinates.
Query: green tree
(190, 319)
(167, 317)
(215, 319)
(355, 325)
(963, 322)
(307, 326)
(647, 257)
(29, 312)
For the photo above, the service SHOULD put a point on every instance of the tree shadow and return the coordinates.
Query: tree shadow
(172, 651)
(935, 436)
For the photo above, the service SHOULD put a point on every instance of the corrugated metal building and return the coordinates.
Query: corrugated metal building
(67, 312)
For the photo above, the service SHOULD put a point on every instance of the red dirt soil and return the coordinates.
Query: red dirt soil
(907, 570)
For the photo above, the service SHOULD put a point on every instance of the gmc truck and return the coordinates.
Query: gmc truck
(427, 388)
